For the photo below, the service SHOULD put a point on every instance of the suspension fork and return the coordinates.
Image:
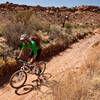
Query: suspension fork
(20, 76)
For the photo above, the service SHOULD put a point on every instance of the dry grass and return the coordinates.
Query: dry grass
(72, 86)
(94, 57)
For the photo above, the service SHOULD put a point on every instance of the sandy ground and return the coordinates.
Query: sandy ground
(73, 57)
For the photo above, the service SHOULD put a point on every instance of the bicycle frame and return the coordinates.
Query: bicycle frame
(27, 66)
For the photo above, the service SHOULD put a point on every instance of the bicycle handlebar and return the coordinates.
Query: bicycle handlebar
(20, 60)
(25, 62)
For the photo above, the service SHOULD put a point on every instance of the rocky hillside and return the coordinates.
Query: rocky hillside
(89, 15)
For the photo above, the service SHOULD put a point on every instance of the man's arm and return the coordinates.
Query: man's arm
(22, 49)
(20, 54)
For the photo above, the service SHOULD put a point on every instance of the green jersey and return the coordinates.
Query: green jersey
(31, 45)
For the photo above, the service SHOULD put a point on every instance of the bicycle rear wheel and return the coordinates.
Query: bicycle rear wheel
(18, 79)
(42, 67)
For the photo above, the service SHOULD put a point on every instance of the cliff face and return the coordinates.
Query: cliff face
(77, 15)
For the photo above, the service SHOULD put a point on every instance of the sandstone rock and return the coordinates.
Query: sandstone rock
(96, 44)
(97, 31)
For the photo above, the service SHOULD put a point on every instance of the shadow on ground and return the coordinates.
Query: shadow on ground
(4, 81)
(27, 88)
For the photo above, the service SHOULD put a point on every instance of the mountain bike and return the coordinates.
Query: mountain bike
(19, 78)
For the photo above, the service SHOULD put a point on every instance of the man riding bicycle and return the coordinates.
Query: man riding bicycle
(35, 50)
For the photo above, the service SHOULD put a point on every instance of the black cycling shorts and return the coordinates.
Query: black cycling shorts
(38, 54)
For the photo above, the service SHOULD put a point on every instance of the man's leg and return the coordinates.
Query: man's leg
(37, 64)
(32, 57)
(37, 59)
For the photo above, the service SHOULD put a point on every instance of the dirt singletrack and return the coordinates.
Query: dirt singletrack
(72, 57)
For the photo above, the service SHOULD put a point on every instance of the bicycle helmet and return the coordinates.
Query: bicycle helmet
(23, 37)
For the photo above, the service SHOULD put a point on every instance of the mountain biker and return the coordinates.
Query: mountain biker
(35, 50)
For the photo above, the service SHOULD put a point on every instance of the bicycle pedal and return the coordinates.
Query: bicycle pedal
(41, 81)
(38, 71)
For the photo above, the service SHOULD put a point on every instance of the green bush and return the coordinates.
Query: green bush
(83, 26)
(68, 25)
(12, 33)
(95, 26)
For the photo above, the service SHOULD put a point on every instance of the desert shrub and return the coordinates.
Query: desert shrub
(55, 29)
(1, 28)
(70, 36)
(35, 23)
(23, 17)
(38, 24)
(54, 32)
(45, 26)
(12, 33)
(68, 27)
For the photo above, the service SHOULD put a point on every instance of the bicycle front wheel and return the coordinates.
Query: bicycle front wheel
(18, 79)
